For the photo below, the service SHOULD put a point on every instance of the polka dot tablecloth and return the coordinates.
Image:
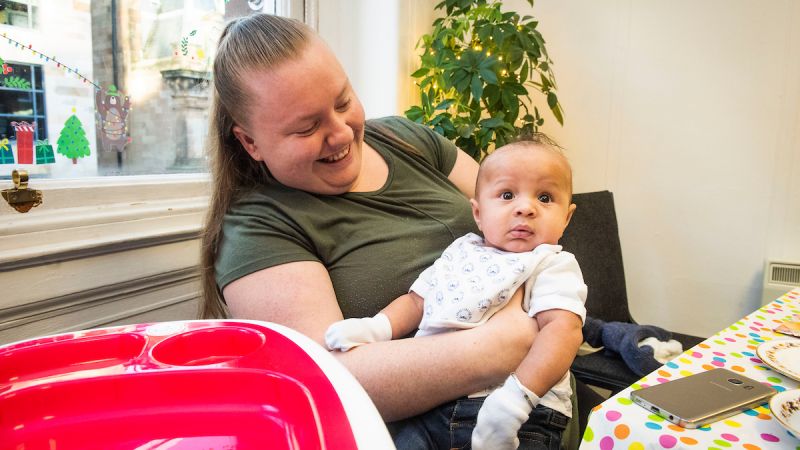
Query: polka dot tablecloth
(620, 424)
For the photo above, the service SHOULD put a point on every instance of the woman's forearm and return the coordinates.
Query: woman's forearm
(410, 376)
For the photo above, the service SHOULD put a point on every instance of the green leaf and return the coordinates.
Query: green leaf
(492, 95)
(489, 76)
(558, 113)
(445, 104)
(545, 83)
(516, 88)
(465, 131)
(16, 82)
(486, 138)
(421, 72)
(476, 86)
(523, 73)
(552, 100)
(415, 113)
(509, 98)
(492, 122)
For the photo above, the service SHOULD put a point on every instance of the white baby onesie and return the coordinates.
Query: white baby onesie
(471, 281)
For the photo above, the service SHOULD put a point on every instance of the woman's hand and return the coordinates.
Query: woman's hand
(512, 328)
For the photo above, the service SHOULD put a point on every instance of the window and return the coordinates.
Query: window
(22, 100)
(131, 76)
(18, 13)
(131, 79)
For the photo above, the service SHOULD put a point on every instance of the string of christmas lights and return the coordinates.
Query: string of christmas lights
(51, 58)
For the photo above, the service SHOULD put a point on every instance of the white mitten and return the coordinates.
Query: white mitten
(501, 416)
(663, 352)
(346, 334)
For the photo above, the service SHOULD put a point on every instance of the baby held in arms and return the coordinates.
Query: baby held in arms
(522, 204)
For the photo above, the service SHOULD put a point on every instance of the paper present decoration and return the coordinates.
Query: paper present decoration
(24, 132)
(6, 155)
(44, 153)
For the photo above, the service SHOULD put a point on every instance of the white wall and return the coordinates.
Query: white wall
(375, 42)
(688, 111)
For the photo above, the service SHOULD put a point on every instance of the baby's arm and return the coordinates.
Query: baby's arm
(508, 407)
(399, 318)
(559, 312)
(552, 352)
(404, 313)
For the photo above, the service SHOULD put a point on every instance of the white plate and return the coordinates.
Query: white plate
(782, 355)
(785, 407)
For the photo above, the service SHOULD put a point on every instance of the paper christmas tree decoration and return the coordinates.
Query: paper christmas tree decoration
(73, 143)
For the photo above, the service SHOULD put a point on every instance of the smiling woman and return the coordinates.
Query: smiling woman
(316, 145)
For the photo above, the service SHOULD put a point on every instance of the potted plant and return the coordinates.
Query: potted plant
(477, 67)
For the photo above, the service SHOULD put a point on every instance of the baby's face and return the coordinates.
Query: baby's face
(523, 198)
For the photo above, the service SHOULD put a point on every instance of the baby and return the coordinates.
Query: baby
(522, 204)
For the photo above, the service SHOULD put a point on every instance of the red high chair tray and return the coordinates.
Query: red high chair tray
(180, 385)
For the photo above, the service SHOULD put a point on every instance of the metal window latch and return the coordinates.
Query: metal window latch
(21, 197)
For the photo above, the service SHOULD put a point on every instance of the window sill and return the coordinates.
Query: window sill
(95, 216)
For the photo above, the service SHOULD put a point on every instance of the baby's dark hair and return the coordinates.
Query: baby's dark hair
(528, 138)
(536, 137)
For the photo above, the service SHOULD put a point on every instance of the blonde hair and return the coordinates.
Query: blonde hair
(256, 42)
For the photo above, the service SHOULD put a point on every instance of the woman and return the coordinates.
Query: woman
(317, 216)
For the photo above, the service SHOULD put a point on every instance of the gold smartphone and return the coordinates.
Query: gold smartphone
(702, 398)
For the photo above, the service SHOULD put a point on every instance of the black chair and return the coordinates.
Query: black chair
(593, 237)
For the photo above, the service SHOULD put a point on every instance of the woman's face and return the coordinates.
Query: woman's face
(305, 123)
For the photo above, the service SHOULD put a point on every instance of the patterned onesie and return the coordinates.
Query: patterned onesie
(472, 280)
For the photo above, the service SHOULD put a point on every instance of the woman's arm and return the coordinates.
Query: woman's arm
(403, 377)
(464, 174)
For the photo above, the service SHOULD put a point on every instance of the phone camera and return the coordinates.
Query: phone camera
(734, 381)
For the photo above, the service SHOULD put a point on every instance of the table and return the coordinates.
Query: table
(618, 423)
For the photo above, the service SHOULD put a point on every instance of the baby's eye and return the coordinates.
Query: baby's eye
(545, 198)
(507, 195)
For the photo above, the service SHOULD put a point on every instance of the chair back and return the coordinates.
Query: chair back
(593, 237)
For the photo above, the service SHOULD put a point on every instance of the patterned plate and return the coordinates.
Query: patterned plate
(785, 407)
(782, 355)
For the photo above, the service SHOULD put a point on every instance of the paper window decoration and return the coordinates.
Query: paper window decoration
(6, 155)
(73, 143)
(24, 131)
(44, 153)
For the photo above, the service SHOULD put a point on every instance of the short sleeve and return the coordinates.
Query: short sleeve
(559, 285)
(252, 241)
(434, 148)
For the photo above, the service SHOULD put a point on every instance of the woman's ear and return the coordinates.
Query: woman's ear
(476, 212)
(247, 142)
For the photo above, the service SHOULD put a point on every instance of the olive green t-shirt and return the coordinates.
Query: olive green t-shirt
(374, 244)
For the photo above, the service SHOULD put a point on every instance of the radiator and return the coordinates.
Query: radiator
(779, 277)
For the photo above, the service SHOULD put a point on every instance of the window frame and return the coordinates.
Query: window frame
(31, 12)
